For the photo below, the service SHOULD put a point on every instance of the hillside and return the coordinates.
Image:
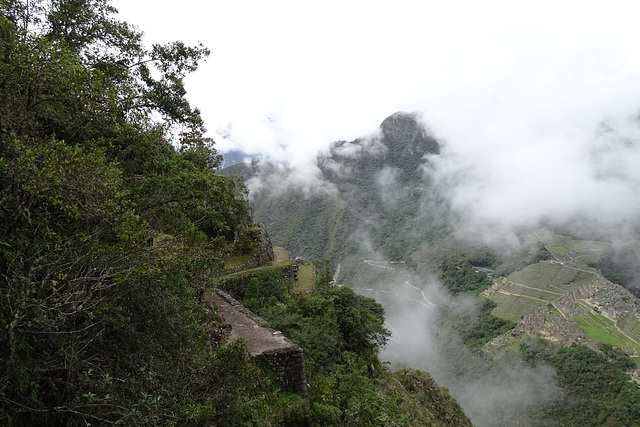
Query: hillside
(380, 183)
(565, 301)
(339, 333)
(121, 240)
(387, 228)
(115, 228)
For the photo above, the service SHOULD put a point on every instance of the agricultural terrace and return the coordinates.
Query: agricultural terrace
(306, 278)
(567, 249)
(539, 284)
(630, 325)
(604, 330)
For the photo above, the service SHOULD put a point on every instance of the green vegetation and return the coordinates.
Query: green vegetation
(566, 248)
(458, 275)
(604, 330)
(597, 389)
(535, 286)
(551, 277)
(110, 230)
(375, 198)
(630, 325)
(486, 327)
(306, 278)
(114, 220)
(340, 333)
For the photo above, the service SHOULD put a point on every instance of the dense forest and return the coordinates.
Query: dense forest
(101, 156)
(114, 221)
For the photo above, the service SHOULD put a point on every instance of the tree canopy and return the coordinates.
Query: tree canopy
(111, 222)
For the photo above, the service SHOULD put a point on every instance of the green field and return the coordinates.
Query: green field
(535, 286)
(565, 248)
(540, 284)
(601, 329)
(558, 249)
(306, 279)
(630, 325)
(512, 307)
(550, 277)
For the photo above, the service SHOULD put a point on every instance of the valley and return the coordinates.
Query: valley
(463, 310)
(565, 301)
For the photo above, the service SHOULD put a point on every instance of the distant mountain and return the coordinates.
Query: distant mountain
(383, 200)
(233, 157)
(386, 223)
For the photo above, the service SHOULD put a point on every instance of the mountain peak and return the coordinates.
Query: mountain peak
(405, 136)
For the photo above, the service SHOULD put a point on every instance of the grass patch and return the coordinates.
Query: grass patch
(306, 279)
(536, 285)
(553, 311)
(533, 292)
(252, 271)
(281, 257)
(603, 330)
(595, 330)
(631, 326)
(511, 307)
(237, 261)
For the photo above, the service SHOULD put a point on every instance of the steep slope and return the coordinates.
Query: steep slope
(340, 334)
(386, 224)
(383, 201)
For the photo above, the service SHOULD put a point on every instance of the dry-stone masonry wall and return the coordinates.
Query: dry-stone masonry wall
(269, 347)
(288, 367)
(263, 255)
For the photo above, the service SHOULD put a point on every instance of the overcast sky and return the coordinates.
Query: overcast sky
(300, 74)
(518, 91)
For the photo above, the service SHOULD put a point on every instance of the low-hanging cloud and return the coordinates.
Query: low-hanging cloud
(535, 106)
(538, 120)
(419, 313)
(499, 182)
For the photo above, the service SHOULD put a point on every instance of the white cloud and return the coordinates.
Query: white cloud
(334, 70)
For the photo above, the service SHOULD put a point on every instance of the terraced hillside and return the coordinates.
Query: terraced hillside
(563, 300)
(524, 291)
(567, 249)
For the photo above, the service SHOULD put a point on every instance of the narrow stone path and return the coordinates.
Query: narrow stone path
(247, 326)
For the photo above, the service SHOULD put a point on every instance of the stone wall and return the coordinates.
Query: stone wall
(242, 309)
(270, 348)
(263, 255)
(288, 368)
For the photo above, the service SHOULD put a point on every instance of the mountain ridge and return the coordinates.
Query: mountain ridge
(390, 229)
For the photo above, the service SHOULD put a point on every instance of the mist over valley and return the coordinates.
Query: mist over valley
(319, 214)
(448, 249)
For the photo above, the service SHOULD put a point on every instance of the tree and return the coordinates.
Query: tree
(142, 83)
(360, 319)
(98, 322)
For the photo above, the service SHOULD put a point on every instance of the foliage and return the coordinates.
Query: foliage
(92, 314)
(94, 69)
(458, 275)
(377, 188)
(325, 322)
(340, 333)
(486, 327)
(598, 391)
(100, 319)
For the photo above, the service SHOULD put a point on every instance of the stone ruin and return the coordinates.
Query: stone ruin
(270, 348)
